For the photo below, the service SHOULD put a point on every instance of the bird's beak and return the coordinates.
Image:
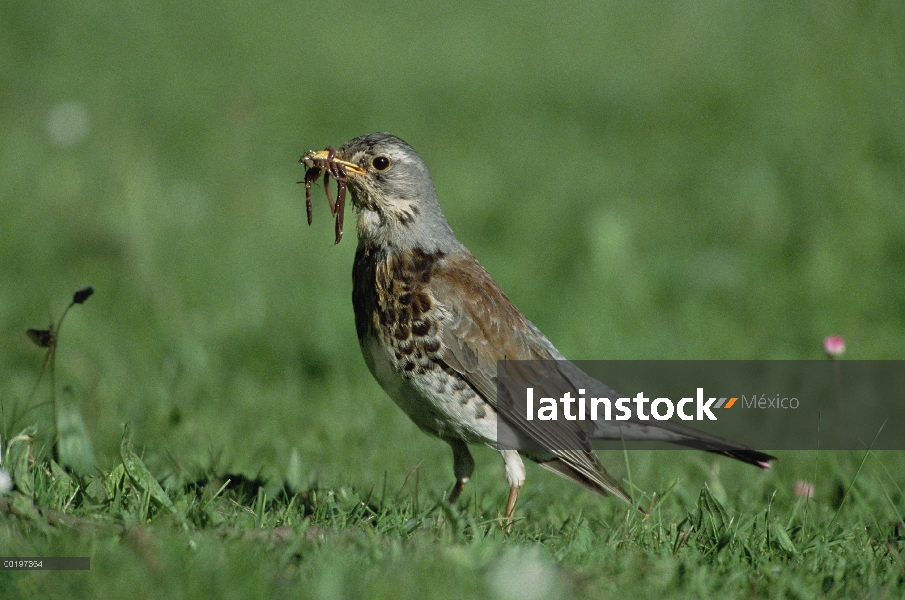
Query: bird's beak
(320, 158)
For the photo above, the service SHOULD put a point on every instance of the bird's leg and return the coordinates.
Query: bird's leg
(463, 466)
(510, 503)
(515, 475)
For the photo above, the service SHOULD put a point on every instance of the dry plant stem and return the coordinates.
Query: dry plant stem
(49, 338)
(50, 360)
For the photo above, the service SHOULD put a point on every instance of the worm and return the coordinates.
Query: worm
(325, 163)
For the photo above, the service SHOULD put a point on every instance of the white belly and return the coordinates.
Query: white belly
(430, 400)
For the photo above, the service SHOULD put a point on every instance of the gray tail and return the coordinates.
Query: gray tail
(682, 435)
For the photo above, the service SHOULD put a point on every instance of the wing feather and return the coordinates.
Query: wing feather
(481, 327)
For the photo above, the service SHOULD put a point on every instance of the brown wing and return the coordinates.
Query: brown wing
(482, 327)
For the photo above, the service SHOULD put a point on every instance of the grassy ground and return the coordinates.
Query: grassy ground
(701, 180)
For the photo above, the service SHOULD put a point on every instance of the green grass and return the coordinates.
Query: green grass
(645, 181)
(222, 535)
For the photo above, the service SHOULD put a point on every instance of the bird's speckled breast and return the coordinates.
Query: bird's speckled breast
(390, 300)
(399, 328)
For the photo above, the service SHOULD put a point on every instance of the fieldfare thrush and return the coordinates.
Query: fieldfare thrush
(432, 323)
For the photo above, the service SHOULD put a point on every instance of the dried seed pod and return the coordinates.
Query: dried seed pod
(82, 294)
(42, 337)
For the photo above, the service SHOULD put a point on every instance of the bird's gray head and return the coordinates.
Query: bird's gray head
(395, 195)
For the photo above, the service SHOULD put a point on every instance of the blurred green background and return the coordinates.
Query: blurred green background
(680, 180)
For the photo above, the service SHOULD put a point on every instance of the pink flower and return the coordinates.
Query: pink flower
(803, 489)
(834, 345)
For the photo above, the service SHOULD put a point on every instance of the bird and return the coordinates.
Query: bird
(432, 325)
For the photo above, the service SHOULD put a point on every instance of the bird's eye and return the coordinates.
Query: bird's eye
(381, 163)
